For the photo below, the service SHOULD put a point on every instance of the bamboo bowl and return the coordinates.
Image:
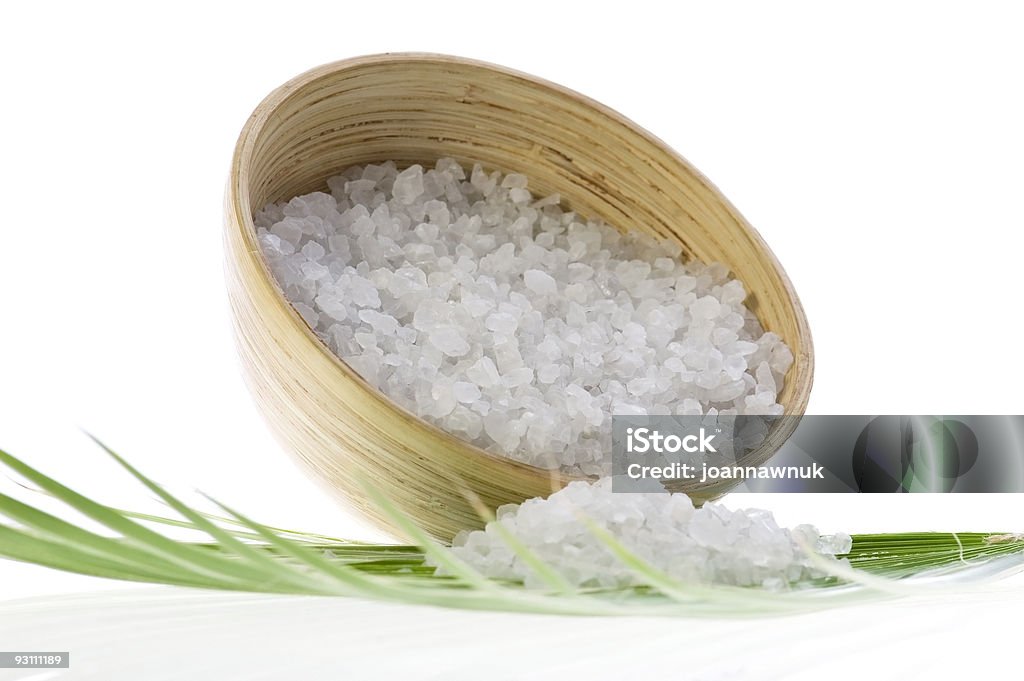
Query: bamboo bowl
(416, 108)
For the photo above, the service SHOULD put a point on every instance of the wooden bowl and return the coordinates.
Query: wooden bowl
(415, 108)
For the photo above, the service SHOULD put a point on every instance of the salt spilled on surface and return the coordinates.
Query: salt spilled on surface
(707, 545)
(510, 322)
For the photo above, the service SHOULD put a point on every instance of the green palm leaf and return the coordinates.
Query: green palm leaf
(242, 554)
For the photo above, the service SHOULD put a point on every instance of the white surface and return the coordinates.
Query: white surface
(877, 150)
(162, 634)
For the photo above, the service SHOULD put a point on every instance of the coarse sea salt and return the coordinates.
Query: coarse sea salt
(509, 321)
(710, 544)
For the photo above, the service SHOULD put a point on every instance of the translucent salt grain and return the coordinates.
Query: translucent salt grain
(289, 229)
(465, 391)
(363, 293)
(308, 314)
(548, 373)
(501, 322)
(383, 324)
(331, 306)
(409, 185)
(484, 372)
(531, 324)
(449, 340)
(518, 377)
(313, 250)
(705, 307)
(541, 283)
(711, 544)
(514, 181)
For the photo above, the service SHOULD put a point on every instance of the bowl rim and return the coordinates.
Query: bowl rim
(239, 202)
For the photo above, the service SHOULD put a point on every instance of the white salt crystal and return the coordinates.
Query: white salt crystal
(500, 429)
(705, 307)
(548, 373)
(366, 340)
(484, 372)
(517, 377)
(449, 340)
(675, 364)
(427, 232)
(531, 324)
(502, 322)
(764, 377)
(507, 357)
(519, 196)
(634, 334)
(289, 229)
(549, 200)
(514, 181)
(308, 314)
(332, 306)
(466, 392)
(430, 313)
(541, 283)
(442, 393)
(383, 324)
(363, 293)
(711, 544)
(409, 184)
(313, 250)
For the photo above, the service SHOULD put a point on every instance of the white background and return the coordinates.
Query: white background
(878, 150)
